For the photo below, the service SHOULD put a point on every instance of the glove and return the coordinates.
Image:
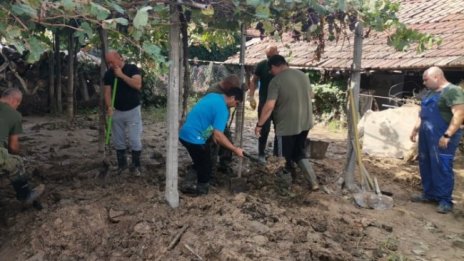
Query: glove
(252, 102)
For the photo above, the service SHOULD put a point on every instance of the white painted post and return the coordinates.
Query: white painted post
(171, 193)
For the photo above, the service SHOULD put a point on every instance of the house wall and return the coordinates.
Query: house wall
(386, 85)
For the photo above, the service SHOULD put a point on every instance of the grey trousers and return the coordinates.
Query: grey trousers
(127, 126)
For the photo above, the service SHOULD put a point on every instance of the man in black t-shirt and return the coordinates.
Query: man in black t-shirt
(262, 76)
(125, 110)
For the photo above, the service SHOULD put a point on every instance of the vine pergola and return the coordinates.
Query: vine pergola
(144, 28)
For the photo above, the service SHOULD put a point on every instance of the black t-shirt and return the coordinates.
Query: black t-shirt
(127, 97)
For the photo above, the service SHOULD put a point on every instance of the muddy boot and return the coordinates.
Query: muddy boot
(283, 182)
(191, 176)
(122, 161)
(202, 189)
(310, 176)
(135, 166)
(291, 168)
(24, 193)
(195, 190)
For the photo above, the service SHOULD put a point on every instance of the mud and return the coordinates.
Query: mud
(127, 218)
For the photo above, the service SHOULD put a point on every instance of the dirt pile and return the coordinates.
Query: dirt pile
(127, 218)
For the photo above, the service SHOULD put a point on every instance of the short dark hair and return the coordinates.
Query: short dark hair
(276, 60)
(236, 92)
(231, 81)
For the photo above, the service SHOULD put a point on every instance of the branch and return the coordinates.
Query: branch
(23, 83)
(177, 237)
(16, 18)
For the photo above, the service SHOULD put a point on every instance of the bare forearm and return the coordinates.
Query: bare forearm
(107, 95)
(134, 81)
(13, 144)
(455, 123)
(253, 85)
(266, 113)
(223, 140)
(456, 120)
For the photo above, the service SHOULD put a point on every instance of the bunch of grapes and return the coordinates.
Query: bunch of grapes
(188, 15)
(313, 17)
(352, 20)
(260, 28)
(331, 23)
(296, 35)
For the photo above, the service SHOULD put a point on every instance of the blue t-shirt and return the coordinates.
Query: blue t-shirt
(210, 113)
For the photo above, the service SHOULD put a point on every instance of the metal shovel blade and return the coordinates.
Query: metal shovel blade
(238, 185)
(373, 201)
(251, 158)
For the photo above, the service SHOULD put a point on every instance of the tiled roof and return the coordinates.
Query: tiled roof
(442, 18)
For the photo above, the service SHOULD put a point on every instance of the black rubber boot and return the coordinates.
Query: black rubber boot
(122, 160)
(25, 194)
(135, 166)
(202, 188)
(21, 187)
(191, 176)
(195, 190)
(136, 158)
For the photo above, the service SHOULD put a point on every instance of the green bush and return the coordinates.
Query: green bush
(329, 101)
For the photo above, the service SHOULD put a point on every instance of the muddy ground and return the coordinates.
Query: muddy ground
(127, 218)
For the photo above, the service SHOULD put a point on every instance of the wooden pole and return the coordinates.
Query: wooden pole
(240, 120)
(355, 82)
(171, 193)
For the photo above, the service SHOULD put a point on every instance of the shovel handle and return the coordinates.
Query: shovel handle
(250, 157)
(110, 118)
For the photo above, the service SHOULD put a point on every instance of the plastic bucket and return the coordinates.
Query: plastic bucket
(316, 148)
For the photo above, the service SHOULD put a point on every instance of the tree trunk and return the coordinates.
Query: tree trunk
(51, 82)
(172, 194)
(58, 93)
(355, 81)
(83, 87)
(76, 83)
(186, 82)
(70, 83)
(239, 120)
(102, 111)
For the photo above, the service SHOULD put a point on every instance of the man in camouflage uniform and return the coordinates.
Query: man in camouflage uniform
(11, 165)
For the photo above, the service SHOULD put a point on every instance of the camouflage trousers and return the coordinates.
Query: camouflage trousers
(11, 166)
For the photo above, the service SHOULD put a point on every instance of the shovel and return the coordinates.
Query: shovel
(238, 184)
(106, 152)
(252, 158)
(366, 199)
(373, 200)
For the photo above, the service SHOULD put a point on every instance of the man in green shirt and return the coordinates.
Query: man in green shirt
(438, 126)
(262, 76)
(289, 101)
(11, 164)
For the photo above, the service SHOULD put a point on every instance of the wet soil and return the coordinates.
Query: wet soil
(127, 218)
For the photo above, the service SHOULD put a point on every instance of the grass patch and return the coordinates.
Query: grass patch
(154, 114)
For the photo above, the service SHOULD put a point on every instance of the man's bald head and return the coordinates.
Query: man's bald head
(434, 78)
(114, 59)
(271, 50)
(13, 97)
(434, 72)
